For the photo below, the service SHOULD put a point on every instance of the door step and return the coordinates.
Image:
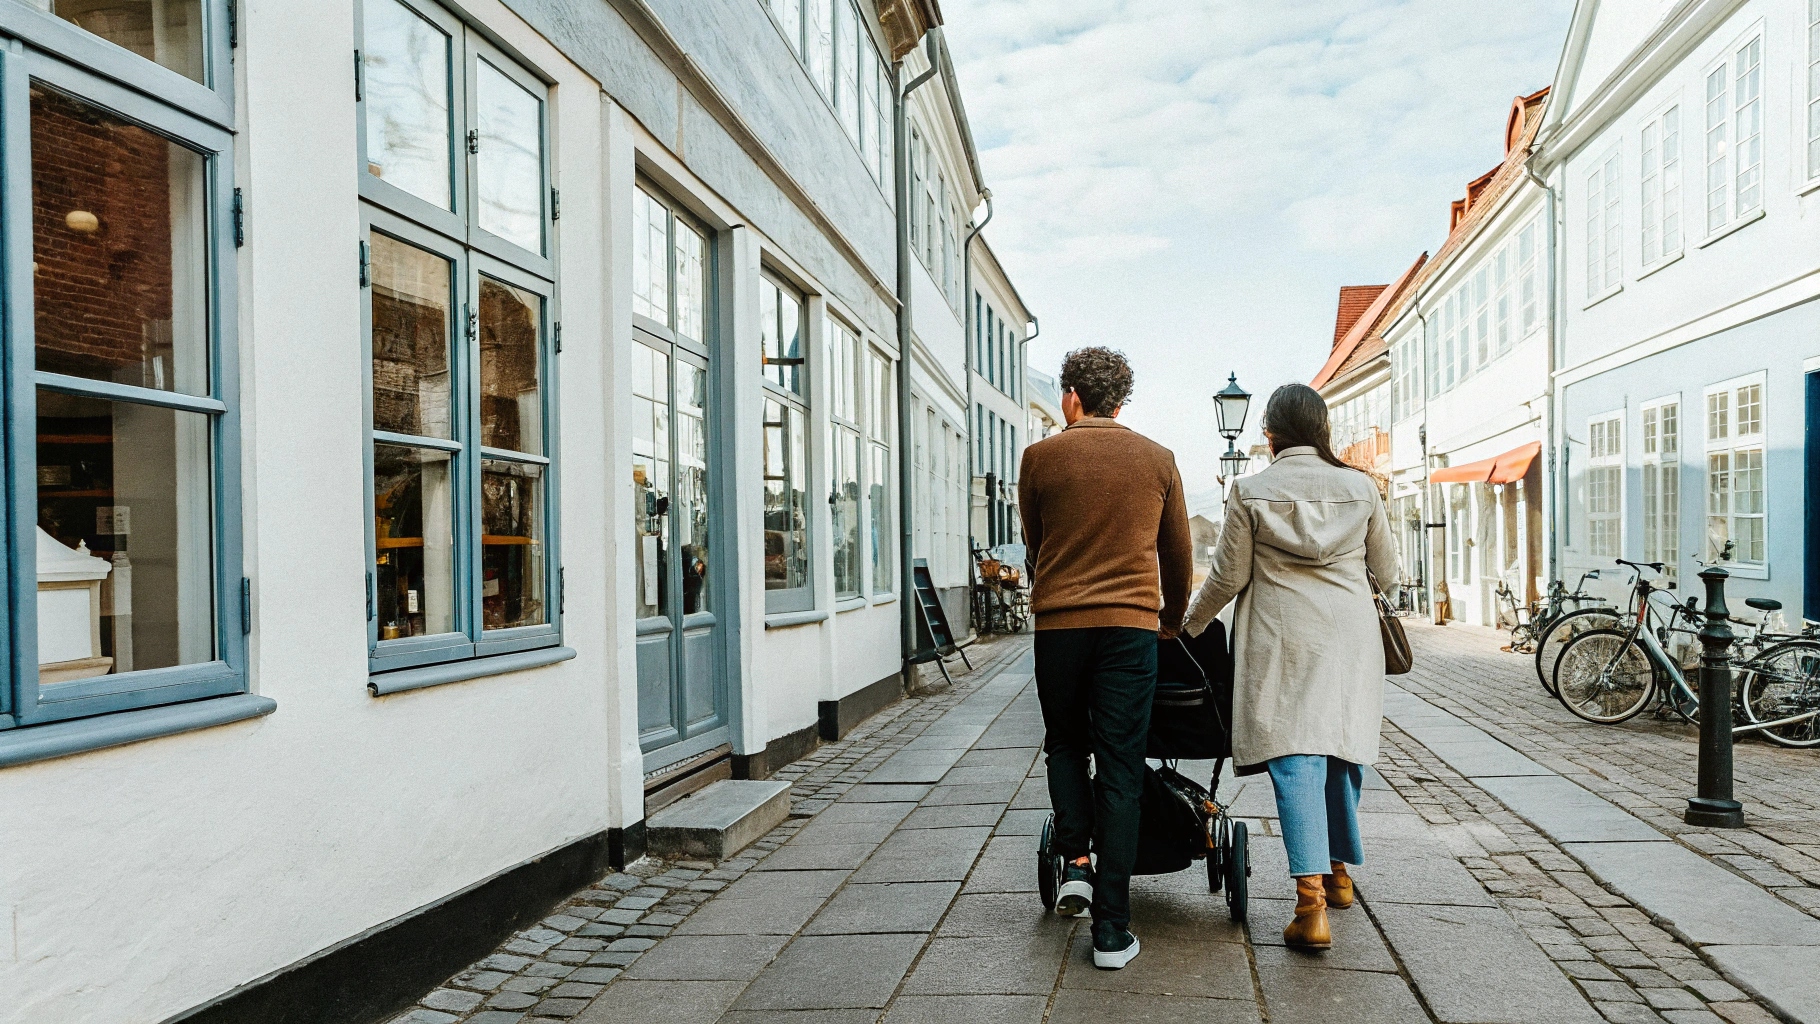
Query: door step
(720, 820)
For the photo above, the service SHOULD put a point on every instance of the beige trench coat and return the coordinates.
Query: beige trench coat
(1308, 659)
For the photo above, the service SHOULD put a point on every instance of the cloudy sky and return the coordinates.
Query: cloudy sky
(1192, 181)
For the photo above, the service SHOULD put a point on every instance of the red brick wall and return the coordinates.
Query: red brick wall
(97, 293)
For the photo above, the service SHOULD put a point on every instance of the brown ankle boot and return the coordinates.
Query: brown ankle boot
(1338, 887)
(1309, 930)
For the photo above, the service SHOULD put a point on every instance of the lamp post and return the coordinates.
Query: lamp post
(1230, 406)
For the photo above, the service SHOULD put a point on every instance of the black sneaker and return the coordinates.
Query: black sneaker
(1113, 946)
(1076, 893)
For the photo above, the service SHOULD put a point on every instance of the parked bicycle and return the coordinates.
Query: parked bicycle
(1611, 675)
(1515, 616)
(1561, 618)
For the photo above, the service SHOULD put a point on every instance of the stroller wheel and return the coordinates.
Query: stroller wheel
(1216, 853)
(1238, 870)
(1048, 865)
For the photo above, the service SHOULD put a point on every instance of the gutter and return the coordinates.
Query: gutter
(968, 306)
(900, 130)
(1551, 482)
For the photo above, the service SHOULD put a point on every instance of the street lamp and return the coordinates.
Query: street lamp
(1230, 405)
(1232, 463)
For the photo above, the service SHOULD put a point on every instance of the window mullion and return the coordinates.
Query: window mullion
(468, 553)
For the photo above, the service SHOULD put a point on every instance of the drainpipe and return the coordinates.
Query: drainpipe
(967, 343)
(906, 481)
(1551, 482)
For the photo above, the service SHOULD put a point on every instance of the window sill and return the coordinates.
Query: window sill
(383, 683)
(1732, 228)
(61, 739)
(1664, 264)
(1595, 300)
(784, 620)
(1809, 189)
(887, 597)
(850, 604)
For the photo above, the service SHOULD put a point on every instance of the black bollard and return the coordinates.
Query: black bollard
(1714, 806)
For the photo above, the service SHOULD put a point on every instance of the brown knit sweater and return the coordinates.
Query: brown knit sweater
(1107, 528)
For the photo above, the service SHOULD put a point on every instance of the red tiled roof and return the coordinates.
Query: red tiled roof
(1483, 192)
(1355, 299)
(1346, 352)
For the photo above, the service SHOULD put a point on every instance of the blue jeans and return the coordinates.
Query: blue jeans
(1318, 809)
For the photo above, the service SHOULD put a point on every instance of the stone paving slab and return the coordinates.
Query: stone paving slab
(826, 972)
(968, 1009)
(1699, 899)
(1474, 966)
(1091, 1006)
(996, 965)
(1567, 812)
(1304, 990)
(1790, 983)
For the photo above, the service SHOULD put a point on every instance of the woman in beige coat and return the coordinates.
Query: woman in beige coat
(1308, 675)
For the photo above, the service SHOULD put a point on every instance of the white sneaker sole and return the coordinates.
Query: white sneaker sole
(1074, 898)
(1114, 961)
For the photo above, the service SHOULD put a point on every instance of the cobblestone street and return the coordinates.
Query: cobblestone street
(903, 888)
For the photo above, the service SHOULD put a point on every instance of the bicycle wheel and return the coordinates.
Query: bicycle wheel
(1560, 631)
(1782, 682)
(1603, 677)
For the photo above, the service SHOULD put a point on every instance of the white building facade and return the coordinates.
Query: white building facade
(1687, 158)
(1470, 384)
(323, 382)
(1001, 428)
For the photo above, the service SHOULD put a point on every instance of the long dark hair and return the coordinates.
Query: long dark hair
(1296, 417)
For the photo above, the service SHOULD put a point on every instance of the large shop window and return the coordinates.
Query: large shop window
(1736, 531)
(461, 325)
(122, 422)
(786, 469)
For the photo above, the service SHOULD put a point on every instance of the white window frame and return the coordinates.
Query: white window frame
(1605, 227)
(1726, 440)
(1812, 106)
(845, 360)
(1530, 290)
(1660, 223)
(1732, 113)
(1605, 462)
(1662, 426)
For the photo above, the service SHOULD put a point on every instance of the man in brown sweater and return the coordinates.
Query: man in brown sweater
(1106, 526)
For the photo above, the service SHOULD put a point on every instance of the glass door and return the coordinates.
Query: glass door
(681, 696)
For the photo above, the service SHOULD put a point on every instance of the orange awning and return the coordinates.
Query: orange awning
(1503, 469)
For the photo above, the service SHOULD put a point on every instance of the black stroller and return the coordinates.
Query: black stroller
(1182, 823)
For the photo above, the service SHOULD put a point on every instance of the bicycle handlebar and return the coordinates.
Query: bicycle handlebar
(1640, 566)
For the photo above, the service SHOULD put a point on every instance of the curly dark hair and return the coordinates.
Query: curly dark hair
(1099, 376)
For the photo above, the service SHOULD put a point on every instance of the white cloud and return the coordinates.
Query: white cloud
(1192, 181)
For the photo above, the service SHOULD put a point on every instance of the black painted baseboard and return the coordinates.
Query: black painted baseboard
(625, 845)
(781, 751)
(838, 717)
(381, 972)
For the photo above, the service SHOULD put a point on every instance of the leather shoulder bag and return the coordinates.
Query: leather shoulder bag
(1399, 658)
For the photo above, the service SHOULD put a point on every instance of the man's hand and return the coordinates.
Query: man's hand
(1167, 633)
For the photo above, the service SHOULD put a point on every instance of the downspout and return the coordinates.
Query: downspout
(1551, 480)
(906, 479)
(967, 344)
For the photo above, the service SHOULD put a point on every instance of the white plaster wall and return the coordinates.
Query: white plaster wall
(867, 647)
(149, 878)
(1619, 26)
(1713, 286)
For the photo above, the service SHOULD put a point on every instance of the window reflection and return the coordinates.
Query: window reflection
(414, 541)
(511, 411)
(124, 525)
(168, 32)
(651, 479)
(119, 244)
(786, 508)
(512, 545)
(411, 309)
(406, 70)
(510, 164)
(692, 485)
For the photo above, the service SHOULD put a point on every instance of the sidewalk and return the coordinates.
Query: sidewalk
(909, 896)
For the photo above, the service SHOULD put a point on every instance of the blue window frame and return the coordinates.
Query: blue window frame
(117, 251)
(461, 335)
